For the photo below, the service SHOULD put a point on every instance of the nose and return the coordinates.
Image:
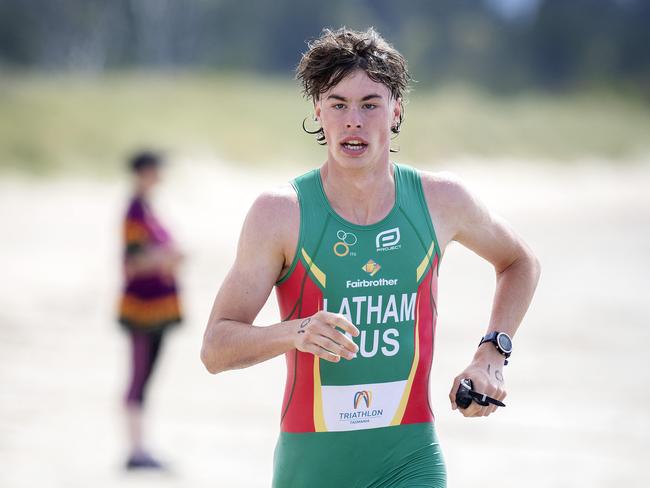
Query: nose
(354, 119)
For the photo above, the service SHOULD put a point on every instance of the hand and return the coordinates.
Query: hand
(318, 335)
(169, 260)
(486, 373)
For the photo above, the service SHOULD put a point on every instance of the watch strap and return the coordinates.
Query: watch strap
(492, 337)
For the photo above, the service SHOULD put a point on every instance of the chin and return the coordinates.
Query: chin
(352, 163)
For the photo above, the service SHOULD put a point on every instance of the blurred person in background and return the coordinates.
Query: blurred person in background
(353, 249)
(149, 304)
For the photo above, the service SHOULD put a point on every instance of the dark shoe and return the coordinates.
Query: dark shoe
(143, 461)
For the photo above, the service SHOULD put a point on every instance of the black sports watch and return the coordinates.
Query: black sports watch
(501, 341)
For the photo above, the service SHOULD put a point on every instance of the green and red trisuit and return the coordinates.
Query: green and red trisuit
(366, 422)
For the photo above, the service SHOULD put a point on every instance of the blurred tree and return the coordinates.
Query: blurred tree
(501, 44)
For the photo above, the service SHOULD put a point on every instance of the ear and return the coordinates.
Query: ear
(397, 111)
(317, 108)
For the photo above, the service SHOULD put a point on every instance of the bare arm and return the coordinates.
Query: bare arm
(231, 341)
(465, 219)
(153, 260)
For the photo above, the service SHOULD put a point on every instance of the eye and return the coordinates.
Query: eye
(339, 106)
(370, 106)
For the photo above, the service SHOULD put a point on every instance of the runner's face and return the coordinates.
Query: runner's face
(357, 115)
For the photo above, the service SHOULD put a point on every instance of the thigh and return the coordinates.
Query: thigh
(424, 468)
(401, 456)
(144, 351)
(155, 344)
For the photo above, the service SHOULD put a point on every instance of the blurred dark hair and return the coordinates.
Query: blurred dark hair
(143, 160)
(336, 54)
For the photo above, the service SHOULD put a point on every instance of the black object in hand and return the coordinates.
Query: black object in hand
(463, 398)
(466, 395)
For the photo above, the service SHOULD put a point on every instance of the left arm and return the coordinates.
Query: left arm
(463, 218)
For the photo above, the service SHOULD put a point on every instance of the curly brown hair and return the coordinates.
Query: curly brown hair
(336, 54)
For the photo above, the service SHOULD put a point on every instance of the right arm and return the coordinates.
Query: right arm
(141, 257)
(143, 262)
(231, 341)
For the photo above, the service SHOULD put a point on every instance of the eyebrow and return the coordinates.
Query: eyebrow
(364, 99)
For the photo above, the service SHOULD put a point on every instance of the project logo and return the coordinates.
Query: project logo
(388, 240)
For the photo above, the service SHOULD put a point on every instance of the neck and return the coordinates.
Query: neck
(141, 192)
(363, 196)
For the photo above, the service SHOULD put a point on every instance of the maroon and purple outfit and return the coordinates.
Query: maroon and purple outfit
(149, 302)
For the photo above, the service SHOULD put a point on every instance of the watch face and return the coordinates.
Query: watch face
(504, 342)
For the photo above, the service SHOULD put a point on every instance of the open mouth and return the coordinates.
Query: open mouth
(354, 145)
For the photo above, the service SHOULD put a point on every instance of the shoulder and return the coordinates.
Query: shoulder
(445, 189)
(274, 217)
(135, 209)
(451, 204)
(275, 205)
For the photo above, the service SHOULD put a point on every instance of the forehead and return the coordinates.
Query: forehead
(357, 85)
(149, 169)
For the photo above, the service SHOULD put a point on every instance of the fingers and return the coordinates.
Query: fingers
(490, 390)
(486, 410)
(320, 335)
(500, 395)
(481, 384)
(497, 392)
(322, 353)
(333, 321)
(490, 409)
(334, 347)
(338, 320)
(454, 389)
(343, 341)
(474, 410)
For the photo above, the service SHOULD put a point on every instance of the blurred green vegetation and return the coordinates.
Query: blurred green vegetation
(84, 123)
(506, 45)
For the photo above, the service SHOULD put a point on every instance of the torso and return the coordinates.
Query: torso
(383, 277)
(149, 301)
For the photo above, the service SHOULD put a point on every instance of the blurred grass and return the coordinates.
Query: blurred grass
(54, 123)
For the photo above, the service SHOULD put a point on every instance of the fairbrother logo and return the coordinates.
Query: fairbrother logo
(388, 240)
(371, 267)
(371, 283)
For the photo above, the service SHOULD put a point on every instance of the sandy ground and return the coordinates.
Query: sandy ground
(579, 382)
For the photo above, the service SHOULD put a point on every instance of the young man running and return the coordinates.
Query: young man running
(353, 249)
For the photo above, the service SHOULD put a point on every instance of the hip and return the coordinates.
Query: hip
(401, 455)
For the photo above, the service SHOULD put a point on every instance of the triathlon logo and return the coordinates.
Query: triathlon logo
(365, 395)
(346, 241)
(371, 267)
(388, 240)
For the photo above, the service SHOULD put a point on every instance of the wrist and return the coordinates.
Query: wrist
(486, 352)
(297, 328)
(501, 341)
(291, 335)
